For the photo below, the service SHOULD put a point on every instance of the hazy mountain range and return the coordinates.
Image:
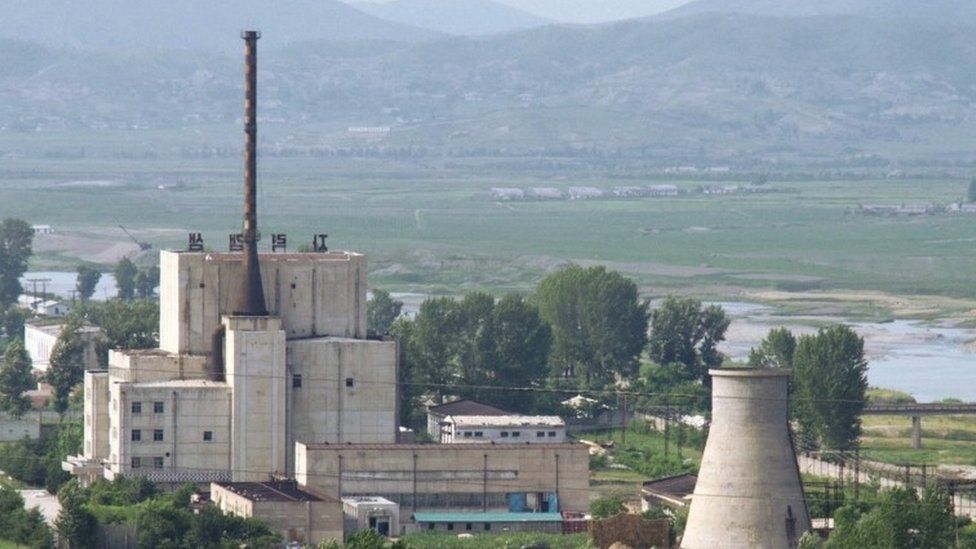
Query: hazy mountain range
(464, 17)
(735, 82)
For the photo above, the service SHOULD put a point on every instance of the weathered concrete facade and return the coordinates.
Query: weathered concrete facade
(748, 493)
(303, 373)
(313, 295)
(297, 515)
(451, 477)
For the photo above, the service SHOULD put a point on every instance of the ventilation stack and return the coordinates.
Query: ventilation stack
(749, 493)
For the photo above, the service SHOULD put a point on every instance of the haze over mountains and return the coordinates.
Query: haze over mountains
(463, 17)
(717, 82)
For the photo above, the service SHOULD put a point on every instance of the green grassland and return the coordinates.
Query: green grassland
(437, 230)
(946, 440)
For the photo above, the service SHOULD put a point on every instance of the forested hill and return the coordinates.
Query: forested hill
(707, 87)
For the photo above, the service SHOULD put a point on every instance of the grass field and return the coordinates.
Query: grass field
(946, 440)
(436, 230)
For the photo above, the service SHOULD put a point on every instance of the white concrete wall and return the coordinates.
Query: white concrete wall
(140, 366)
(748, 485)
(13, 429)
(324, 408)
(96, 429)
(313, 294)
(526, 434)
(39, 343)
(255, 365)
(189, 409)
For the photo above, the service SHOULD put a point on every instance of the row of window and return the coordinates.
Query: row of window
(296, 381)
(158, 407)
(157, 462)
(467, 526)
(159, 437)
(506, 434)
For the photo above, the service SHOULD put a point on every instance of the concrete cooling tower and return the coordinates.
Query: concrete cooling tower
(748, 493)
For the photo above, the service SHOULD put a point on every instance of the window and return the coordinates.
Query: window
(158, 435)
(208, 436)
(552, 433)
(516, 434)
(136, 407)
(450, 525)
(350, 382)
(296, 381)
(468, 526)
(504, 434)
(479, 434)
(467, 434)
(136, 463)
(157, 463)
(136, 435)
(158, 407)
(540, 434)
(487, 526)
(430, 526)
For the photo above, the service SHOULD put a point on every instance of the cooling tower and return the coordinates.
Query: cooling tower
(748, 493)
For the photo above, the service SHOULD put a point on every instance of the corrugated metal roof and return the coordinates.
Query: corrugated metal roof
(506, 421)
(465, 407)
(487, 517)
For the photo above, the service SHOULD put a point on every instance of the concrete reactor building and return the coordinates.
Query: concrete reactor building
(748, 493)
(266, 388)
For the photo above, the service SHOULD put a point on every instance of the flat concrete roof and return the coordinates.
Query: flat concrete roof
(269, 491)
(445, 447)
(506, 421)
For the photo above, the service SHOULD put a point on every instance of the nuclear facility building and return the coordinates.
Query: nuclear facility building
(264, 374)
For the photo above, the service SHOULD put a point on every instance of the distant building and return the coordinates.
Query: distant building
(510, 429)
(42, 229)
(585, 193)
(545, 193)
(299, 516)
(662, 190)
(39, 341)
(464, 407)
(373, 513)
(43, 306)
(506, 193)
(488, 523)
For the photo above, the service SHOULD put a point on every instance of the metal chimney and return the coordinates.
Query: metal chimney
(252, 291)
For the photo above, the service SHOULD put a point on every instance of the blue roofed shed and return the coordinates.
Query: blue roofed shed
(489, 522)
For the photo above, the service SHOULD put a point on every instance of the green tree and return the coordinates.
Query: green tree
(512, 350)
(88, 278)
(971, 192)
(13, 321)
(607, 507)
(900, 520)
(16, 240)
(830, 386)
(381, 311)
(21, 526)
(125, 278)
(66, 367)
(775, 350)
(429, 349)
(684, 331)
(366, 539)
(146, 282)
(125, 324)
(599, 324)
(76, 526)
(15, 378)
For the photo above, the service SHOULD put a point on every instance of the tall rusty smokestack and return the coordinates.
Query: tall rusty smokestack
(252, 292)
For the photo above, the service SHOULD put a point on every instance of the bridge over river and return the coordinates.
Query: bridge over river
(916, 411)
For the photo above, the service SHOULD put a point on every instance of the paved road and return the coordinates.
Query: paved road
(48, 504)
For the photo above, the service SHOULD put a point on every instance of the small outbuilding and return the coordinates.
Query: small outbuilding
(371, 512)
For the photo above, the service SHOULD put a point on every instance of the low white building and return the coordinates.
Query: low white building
(463, 407)
(39, 341)
(44, 307)
(371, 512)
(506, 429)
